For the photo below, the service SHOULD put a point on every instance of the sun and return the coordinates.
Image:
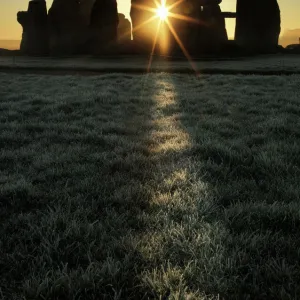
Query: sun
(162, 12)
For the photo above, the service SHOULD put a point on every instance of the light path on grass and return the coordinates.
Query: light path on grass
(179, 199)
(169, 133)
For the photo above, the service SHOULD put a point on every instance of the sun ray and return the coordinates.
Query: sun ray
(153, 46)
(170, 7)
(144, 7)
(144, 23)
(139, 26)
(157, 3)
(185, 52)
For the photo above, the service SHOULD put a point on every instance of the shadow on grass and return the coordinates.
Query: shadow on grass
(74, 196)
(243, 145)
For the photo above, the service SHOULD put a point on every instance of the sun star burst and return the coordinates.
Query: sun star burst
(165, 13)
(162, 12)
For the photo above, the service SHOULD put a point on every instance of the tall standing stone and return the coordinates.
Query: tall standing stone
(202, 28)
(35, 28)
(103, 26)
(68, 25)
(188, 27)
(215, 35)
(258, 25)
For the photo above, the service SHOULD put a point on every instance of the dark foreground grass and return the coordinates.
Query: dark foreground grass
(149, 187)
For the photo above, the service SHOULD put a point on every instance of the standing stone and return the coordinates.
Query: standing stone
(206, 30)
(68, 26)
(215, 36)
(258, 25)
(190, 30)
(35, 28)
(104, 26)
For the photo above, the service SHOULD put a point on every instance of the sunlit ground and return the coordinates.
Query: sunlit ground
(157, 186)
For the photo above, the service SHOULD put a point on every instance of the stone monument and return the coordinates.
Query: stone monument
(35, 28)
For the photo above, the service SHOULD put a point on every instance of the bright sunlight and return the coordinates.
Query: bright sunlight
(162, 12)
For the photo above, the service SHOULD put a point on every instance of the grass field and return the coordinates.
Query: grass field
(157, 186)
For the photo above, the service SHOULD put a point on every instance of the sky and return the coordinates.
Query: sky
(11, 30)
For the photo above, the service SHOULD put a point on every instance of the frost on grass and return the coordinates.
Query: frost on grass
(149, 187)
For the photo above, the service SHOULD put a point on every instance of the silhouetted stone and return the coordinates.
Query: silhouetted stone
(104, 26)
(189, 30)
(216, 35)
(124, 29)
(35, 28)
(204, 30)
(68, 25)
(258, 25)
